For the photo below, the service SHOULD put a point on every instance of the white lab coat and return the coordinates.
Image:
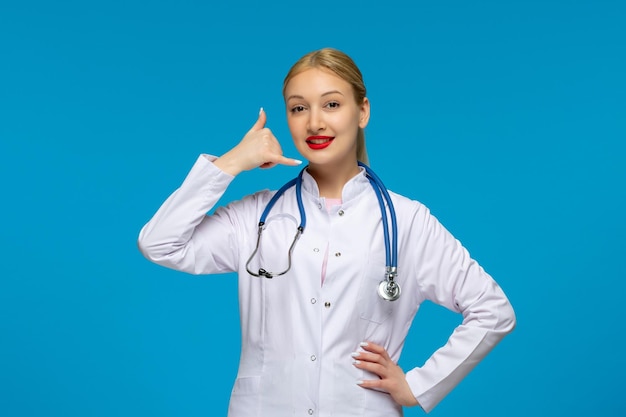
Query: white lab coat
(297, 333)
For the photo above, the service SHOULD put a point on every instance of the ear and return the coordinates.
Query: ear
(364, 116)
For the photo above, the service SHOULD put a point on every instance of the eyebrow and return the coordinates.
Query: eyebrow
(325, 94)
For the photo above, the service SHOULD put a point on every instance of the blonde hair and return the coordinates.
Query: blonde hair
(345, 68)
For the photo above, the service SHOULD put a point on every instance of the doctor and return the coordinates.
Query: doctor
(318, 339)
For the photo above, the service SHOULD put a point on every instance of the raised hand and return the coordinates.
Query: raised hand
(375, 359)
(258, 148)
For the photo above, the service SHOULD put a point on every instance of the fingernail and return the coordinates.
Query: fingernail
(356, 362)
(297, 161)
(363, 344)
(355, 354)
(359, 382)
(261, 111)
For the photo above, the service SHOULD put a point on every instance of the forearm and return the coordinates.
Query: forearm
(450, 364)
(167, 238)
(487, 318)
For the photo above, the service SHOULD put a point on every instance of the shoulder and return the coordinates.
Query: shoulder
(407, 206)
(413, 217)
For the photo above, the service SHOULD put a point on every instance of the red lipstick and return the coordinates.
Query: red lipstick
(319, 142)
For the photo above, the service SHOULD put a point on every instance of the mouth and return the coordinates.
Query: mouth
(319, 142)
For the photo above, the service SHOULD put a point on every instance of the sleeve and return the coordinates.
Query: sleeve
(183, 237)
(448, 276)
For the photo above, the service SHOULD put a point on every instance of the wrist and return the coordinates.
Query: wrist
(228, 164)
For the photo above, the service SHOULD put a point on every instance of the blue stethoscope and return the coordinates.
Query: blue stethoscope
(388, 289)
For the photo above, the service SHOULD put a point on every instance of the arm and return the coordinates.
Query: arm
(180, 235)
(450, 277)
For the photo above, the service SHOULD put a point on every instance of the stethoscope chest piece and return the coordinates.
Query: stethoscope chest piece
(388, 290)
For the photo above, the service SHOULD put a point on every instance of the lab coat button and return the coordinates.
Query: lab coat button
(327, 304)
(340, 212)
(337, 254)
(319, 206)
(313, 301)
(310, 411)
(316, 249)
(313, 358)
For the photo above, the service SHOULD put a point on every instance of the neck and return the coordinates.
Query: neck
(331, 180)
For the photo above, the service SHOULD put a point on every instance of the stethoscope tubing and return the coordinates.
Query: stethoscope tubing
(388, 288)
(392, 261)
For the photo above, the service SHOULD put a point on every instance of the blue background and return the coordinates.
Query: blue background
(507, 119)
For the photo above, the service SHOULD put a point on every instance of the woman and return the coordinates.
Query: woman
(317, 338)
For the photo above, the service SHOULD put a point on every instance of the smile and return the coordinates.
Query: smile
(319, 142)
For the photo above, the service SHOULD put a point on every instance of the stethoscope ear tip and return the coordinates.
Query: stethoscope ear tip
(264, 273)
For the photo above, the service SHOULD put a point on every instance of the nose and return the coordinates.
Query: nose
(316, 121)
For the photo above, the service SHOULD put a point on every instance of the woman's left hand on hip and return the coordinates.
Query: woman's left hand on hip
(375, 359)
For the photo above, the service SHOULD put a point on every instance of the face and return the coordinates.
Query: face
(323, 117)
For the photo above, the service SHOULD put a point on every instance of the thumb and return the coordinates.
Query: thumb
(260, 122)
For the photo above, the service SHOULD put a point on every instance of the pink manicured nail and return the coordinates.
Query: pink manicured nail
(355, 354)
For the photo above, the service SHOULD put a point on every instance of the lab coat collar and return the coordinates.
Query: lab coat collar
(351, 190)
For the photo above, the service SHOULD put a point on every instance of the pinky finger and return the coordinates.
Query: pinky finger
(290, 161)
(368, 383)
(373, 385)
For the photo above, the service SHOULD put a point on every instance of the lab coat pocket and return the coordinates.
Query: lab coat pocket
(245, 398)
(372, 306)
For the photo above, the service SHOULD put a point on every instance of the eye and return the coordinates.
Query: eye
(333, 105)
(297, 109)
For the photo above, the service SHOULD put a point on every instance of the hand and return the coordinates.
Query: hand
(392, 380)
(258, 148)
